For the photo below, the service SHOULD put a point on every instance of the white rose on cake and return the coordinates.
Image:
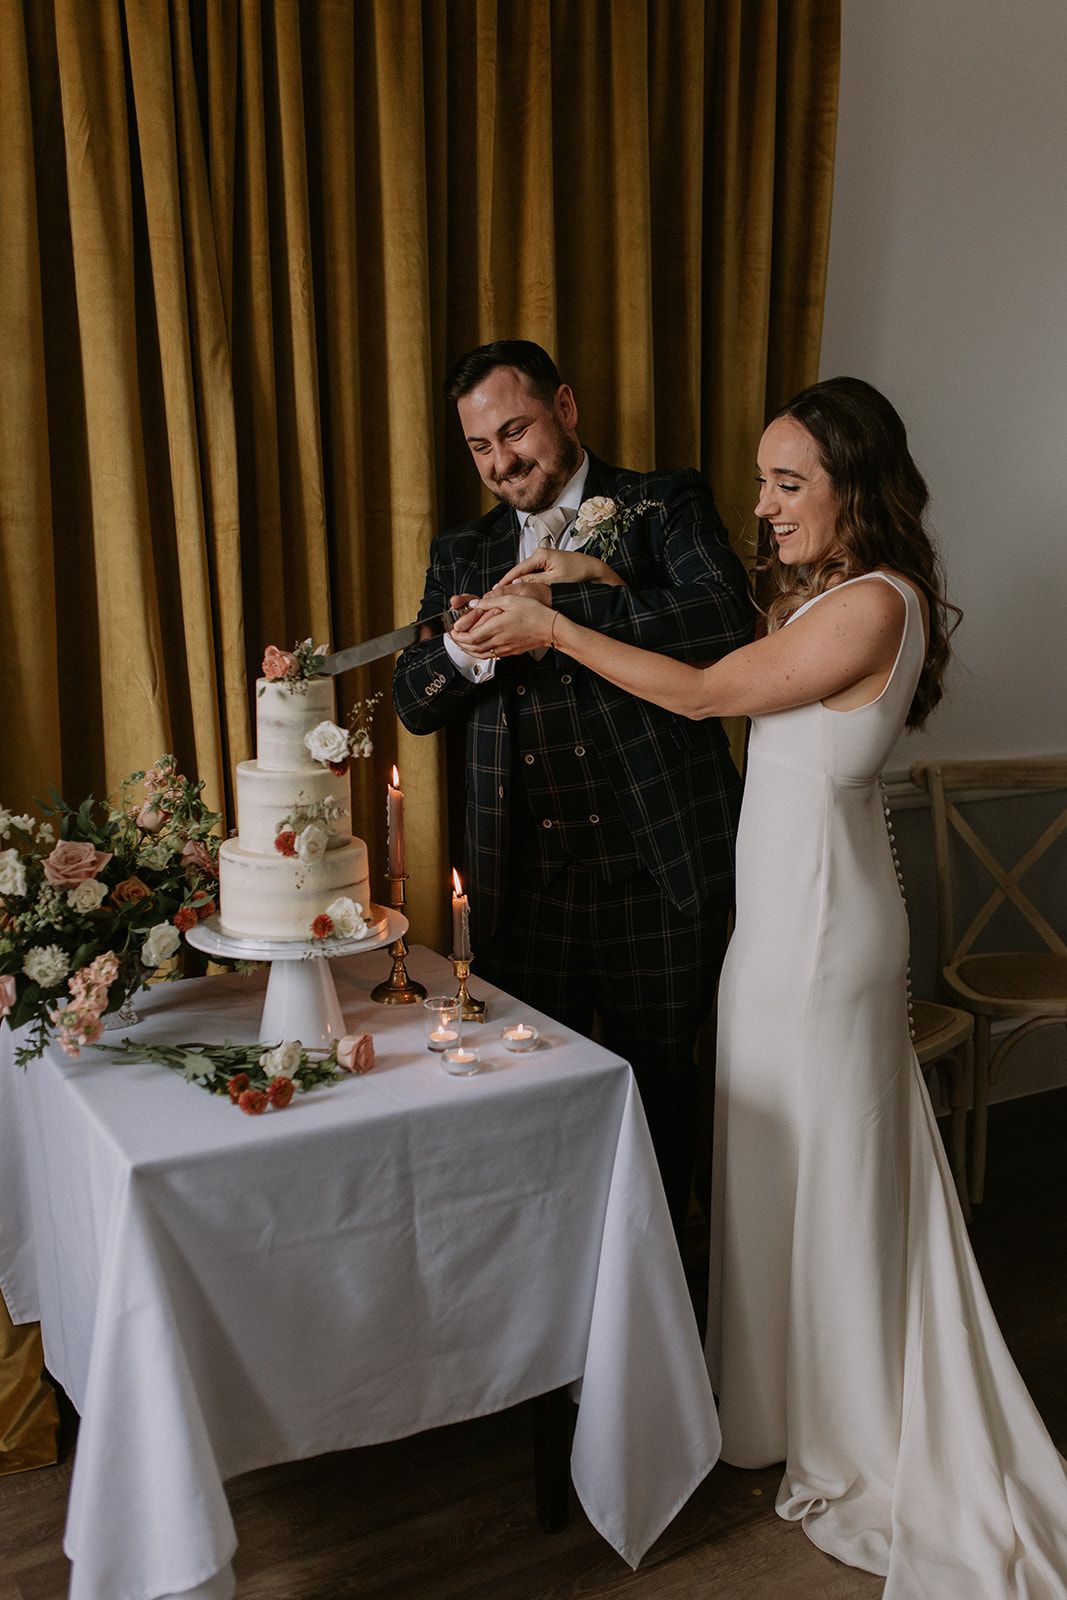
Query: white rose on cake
(161, 943)
(311, 842)
(347, 918)
(283, 1060)
(328, 743)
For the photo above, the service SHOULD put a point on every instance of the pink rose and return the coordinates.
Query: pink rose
(72, 861)
(195, 853)
(355, 1052)
(7, 994)
(277, 663)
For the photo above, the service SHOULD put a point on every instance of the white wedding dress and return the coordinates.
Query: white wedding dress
(849, 1332)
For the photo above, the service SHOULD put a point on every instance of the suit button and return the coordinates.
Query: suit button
(529, 760)
(500, 792)
(520, 689)
(579, 749)
(593, 817)
(547, 823)
(566, 678)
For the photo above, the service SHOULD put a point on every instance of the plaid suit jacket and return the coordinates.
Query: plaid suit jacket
(674, 779)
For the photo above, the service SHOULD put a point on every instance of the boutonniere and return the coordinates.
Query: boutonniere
(602, 522)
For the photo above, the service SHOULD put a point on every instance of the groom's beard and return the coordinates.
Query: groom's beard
(535, 485)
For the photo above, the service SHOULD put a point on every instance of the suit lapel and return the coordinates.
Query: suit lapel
(501, 548)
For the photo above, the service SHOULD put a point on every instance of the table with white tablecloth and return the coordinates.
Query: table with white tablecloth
(398, 1251)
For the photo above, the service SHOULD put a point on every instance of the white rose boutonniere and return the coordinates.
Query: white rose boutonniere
(601, 522)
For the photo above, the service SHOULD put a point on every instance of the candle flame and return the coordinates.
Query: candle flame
(456, 881)
(396, 777)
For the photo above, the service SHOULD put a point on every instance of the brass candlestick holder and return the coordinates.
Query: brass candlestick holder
(398, 989)
(471, 1010)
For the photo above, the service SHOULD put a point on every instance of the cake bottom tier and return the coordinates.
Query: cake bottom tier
(279, 897)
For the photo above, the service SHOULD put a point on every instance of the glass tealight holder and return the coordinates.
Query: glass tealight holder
(444, 1028)
(461, 1060)
(520, 1036)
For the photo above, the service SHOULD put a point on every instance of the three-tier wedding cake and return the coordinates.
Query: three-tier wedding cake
(294, 870)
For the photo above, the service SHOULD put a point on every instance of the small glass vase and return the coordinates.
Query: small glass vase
(127, 1015)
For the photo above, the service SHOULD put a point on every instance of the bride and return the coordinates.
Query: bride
(849, 1332)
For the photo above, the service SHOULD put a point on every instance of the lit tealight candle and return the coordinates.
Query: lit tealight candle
(442, 1038)
(461, 1060)
(520, 1036)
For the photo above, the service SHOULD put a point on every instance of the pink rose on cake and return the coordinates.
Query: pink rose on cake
(278, 663)
(72, 861)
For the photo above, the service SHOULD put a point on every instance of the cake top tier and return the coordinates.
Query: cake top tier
(284, 714)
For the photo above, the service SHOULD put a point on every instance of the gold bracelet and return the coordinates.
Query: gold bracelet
(552, 630)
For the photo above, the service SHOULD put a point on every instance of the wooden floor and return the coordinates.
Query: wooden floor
(449, 1515)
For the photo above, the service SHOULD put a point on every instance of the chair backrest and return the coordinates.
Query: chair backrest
(945, 779)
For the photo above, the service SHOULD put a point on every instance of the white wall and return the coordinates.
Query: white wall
(948, 290)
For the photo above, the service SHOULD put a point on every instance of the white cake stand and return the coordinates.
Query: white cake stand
(301, 1000)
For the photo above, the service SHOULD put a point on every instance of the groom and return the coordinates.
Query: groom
(599, 829)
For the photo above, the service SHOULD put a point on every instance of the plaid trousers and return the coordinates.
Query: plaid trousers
(577, 947)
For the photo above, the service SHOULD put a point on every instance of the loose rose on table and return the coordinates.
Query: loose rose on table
(355, 1053)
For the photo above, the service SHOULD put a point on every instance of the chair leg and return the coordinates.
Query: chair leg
(980, 1115)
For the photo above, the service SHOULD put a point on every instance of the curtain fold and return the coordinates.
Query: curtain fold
(242, 243)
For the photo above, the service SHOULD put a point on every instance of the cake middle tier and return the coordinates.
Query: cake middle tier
(266, 799)
(279, 897)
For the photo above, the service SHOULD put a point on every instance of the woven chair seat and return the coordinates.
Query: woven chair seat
(1017, 979)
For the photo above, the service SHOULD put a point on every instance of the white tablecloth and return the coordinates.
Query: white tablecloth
(399, 1251)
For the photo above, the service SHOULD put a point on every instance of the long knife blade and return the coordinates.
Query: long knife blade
(386, 644)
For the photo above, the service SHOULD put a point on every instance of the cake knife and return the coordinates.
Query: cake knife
(386, 644)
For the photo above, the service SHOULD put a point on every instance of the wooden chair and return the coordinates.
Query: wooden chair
(1023, 987)
(943, 1037)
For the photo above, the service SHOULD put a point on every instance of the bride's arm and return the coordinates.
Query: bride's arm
(842, 640)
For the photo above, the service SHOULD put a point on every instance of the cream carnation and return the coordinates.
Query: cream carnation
(46, 964)
(12, 873)
(327, 742)
(161, 943)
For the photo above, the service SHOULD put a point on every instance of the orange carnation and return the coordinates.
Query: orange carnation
(280, 1092)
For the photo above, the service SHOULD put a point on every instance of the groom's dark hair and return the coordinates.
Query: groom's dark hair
(536, 365)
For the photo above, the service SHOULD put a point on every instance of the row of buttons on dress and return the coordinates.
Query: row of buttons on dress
(904, 899)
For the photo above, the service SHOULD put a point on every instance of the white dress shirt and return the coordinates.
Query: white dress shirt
(472, 667)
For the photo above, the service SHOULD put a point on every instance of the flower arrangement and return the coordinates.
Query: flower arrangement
(94, 900)
(601, 522)
(294, 667)
(337, 747)
(258, 1079)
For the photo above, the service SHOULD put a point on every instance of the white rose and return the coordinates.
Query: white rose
(47, 965)
(327, 742)
(86, 896)
(283, 1060)
(592, 512)
(12, 873)
(161, 943)
(347, 919)
(311, 842)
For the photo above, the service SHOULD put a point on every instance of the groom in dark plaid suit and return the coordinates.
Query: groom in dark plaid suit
(599, 829)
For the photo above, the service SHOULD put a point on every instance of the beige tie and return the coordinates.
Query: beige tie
(548, 527)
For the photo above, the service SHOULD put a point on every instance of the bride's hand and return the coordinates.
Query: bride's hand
(562, 566)
(508, 624)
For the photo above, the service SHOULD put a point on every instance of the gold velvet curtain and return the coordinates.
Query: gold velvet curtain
(240, 242)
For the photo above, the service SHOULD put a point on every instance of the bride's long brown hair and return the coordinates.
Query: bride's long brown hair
(881, 503)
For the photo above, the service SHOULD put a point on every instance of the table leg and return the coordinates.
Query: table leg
(552, 1459)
